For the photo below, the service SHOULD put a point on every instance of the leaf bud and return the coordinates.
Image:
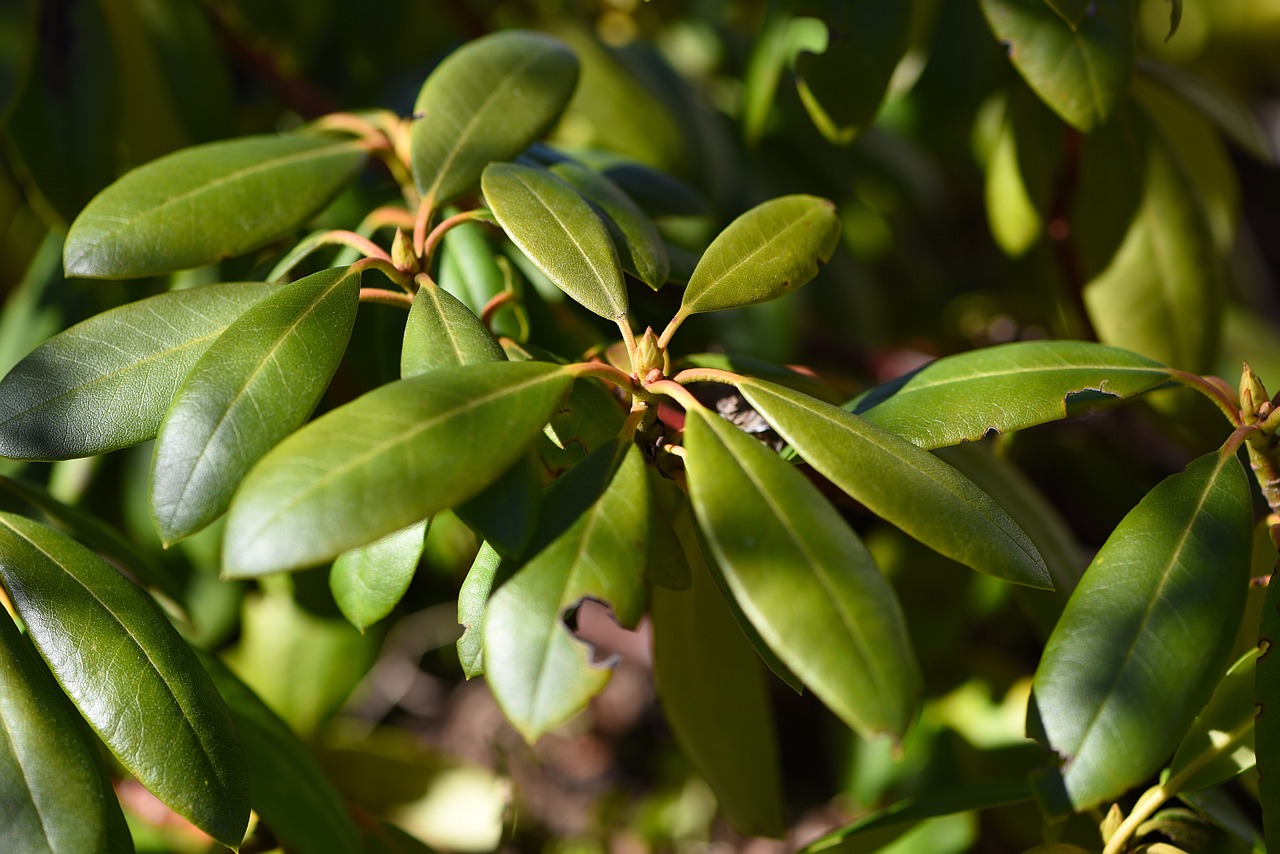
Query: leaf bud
(402, 254)
(650, 356)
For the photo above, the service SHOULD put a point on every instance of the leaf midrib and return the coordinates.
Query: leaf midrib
(732, 268)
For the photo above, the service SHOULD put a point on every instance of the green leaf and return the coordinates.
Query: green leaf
(1220, 744)
(1009, 387)
(802, 578)
(1022, 172)
(255, 385)
(769, 251)
(560, 233)
(420, 445)
(288, 789)
(486, 573)
(20, 38)
(1216, 103)
(487, 101)
(470, 270)
(133, 678)
(640, 247)
(896, 480)
(539, 673)
(1149, 627)
(203, 204)
(105, 383)
(781, 37)
(715, 696)
(1267, 725)
(1081, 71)
(56, 798)
(667, 564)
(441, 331)
(505, 513)
(367, 582)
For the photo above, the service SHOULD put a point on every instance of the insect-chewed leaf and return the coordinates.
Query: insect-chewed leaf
(802, 577)
(105, 384)
(442, 332)
(255, 385)
(55, 797)
(394, 456)
(538, 672)
(903, 484)
(130, 674)
(487, 101)
(769, 251)
(368, 582)
(203, 204)
(559, 232)
(288, 788)
(1008, 387)
(1220, 744)
(1148, 627)
(1081, 70)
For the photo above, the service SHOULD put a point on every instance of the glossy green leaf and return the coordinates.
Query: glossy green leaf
(781, 37)
(1220, 744)
(560, 233)
(369, 581)
(1220, 105)
(132, 677)
(53, 796)
(715, 696)
(1022, 171)
(1149, 627)
(287, 787)
(1080, 71)
(105, 383)
(802, 577)
(487, 101)
(999, 389)
(640, 247)
(207, 203)
(539, 673)
(420, 445)
(471, 271)
(486, 573)
(1267, 724)
(901, 483)
(442, 332)
(255, 385)
(1162, 293)
(769, 251)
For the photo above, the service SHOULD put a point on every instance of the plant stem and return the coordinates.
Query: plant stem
(425, 209)
(676, 392)
(610, 374)
(665, 338)
(430, 242)
(387, 216)
(629, 338)
(496, 302)
(379, 295)
(1222, 395)
(707, 375)
(387, 269)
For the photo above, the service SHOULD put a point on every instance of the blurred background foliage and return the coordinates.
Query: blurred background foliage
(946, 247)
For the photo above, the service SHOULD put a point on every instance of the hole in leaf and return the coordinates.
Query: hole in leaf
(592, 622)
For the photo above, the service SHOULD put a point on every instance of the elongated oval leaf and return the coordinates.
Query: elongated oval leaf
(560, 233)
(1008, 387)
(640, 247)
(487, 101)
(1148, 629)
(1220, 105)
(769, 251)
(1220, 744)
(368, 582)
(538, 672)
(486, 573)
(105, 383)
(442, 332)
(715, 696)
(288, 789)
(903, 484)
(1081, 70)
(398, 454)
(802, 577)
(55, 797)
(203, 204)
(471, 271)
(505, 513)
(255, 385)
(133, 678)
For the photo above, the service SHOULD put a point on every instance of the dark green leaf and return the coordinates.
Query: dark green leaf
(133, 678)
(1082, 71)
(769, 251)
(667, 564)
(441, 332)
(1267, 725)
(105, 383)
(487, 101)
(1219, 105)
(255, 385)
(288, 789)
(505, 513)
(206, 203)
(538, 672)
(420, 445)
(901, 483)
(471, 271)
(1220, 744)
(560, 233)
(367, 582)
(19, 40)
(35, 308)
(802, 577)
(53, 796)
(473, 597)
(640, 247)
(715, 696)
(1148, 628)
(774, 49)
(961, 398)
